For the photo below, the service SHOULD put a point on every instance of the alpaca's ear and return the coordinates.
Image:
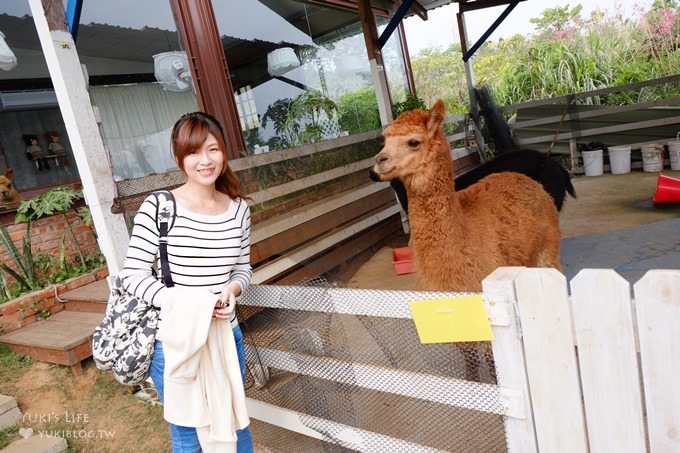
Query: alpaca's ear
(9, 173)
(437, 113)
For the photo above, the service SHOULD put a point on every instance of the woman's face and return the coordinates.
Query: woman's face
(205, 164)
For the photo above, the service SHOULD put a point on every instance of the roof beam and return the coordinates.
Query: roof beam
(73, 9)
(471, 51)
(473, 6)
(405, 6)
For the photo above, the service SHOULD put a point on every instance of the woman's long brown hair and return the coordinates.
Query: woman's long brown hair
(189, 133)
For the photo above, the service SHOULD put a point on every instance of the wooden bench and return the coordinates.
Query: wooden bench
(64, 338)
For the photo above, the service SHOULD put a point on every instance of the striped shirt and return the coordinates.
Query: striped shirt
(203, 251)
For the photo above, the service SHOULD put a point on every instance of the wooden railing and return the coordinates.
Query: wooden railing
(558, 124)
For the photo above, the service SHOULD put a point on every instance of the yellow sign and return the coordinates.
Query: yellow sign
(451, 320)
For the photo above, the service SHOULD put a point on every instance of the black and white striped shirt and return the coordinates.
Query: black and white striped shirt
(203, 251)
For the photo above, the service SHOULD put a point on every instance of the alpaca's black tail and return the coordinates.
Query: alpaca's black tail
(497, 128)
(567, 182)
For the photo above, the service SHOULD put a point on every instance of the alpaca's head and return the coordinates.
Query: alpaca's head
(412, 142)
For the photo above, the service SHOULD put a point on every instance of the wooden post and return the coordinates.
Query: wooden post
(375, 61)
(83, 132)
(470, 77)
(196, 24)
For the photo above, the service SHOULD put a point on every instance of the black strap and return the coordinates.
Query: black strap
(163, 240)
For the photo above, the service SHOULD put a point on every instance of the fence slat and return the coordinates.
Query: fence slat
(551, 361)
(500, 299)
(605, 337)
(657, 299)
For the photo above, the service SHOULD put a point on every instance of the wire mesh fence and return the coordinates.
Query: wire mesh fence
(348, 366)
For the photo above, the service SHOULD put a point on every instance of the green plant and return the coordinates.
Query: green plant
(8, 435)
(59, 199)
(358, 111)
(25, 273)
(285, 124)
(4, 290)
(411, 102)
(297, 120)
(12, 364)
(35, 271)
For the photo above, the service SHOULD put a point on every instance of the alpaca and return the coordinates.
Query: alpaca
(10, 198)
(459, 238)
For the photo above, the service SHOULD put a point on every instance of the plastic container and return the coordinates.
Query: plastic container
(619, 159)
(402, 260)
(674, 153)
(652, 157)
(592, 162)
(667, 190)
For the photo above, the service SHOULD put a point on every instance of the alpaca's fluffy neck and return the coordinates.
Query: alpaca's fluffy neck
(435, 206)
(437, 229)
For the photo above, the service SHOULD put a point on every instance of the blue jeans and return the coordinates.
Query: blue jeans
(184, 438)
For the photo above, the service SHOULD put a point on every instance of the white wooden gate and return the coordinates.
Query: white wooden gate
(597, 370)
(581, 367)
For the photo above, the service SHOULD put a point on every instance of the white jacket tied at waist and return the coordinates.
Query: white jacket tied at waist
(202, 379)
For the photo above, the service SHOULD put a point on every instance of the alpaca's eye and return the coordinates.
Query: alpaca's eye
(413, 143)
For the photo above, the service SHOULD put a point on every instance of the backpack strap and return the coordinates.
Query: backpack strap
(165, 218)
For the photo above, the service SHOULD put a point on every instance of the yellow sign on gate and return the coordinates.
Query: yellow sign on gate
(451, 320)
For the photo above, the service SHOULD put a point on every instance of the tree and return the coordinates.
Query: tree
(358, 111)
(558, 19)
(665, 4)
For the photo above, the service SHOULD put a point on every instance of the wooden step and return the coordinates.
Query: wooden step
(91, 298)
(64, 338)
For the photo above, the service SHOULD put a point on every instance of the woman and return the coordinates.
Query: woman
(208, 244)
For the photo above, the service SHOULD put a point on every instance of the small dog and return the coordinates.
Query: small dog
(10, 198)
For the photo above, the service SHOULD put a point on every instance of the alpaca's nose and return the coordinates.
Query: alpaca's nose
(380, 158)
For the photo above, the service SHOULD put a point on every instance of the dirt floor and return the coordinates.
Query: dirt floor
(101, 416)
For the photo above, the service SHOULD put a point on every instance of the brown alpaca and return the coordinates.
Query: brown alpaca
(10, 198)
(458, 238)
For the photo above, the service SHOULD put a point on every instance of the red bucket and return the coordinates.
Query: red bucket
(402, 259)
(667, 190)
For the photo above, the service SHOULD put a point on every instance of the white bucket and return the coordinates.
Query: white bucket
(652, 157)
(592, 162)
(619, 159)
(674, 153)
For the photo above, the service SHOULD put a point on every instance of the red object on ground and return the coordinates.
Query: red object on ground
(667, 190)
(402, 259)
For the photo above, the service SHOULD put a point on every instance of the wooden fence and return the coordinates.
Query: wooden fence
(581, 367)
(558, 124)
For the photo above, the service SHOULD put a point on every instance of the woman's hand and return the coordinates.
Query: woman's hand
(225, 305)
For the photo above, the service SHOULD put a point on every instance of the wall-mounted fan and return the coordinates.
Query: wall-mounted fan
(172, 71)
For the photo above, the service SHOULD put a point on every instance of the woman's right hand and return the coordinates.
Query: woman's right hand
(224, 307)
